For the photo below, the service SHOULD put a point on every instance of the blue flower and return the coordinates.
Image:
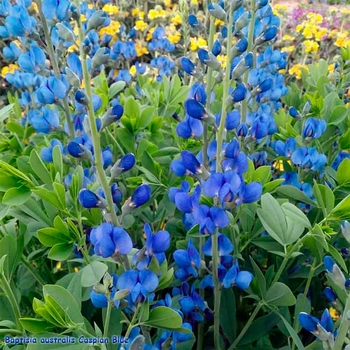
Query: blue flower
(33, 60)
(287, 148)
(210, 218)
(89, 199)
(322, 329)
(314, 128)
(108, 240)
(225, 247)
(52, 91)
(188, 261)
(44, 120)
(139, 283)
(191, 163)
(235, 277)
(309, 158)
(57, 10)
(190, 127)
(187, 65)
(232, 119)
(334, 272)
(193, 305)
(330, 295)
(293, 112)
(140, 196)
(46, 152)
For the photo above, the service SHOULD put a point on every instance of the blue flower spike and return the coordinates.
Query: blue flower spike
(334, 272)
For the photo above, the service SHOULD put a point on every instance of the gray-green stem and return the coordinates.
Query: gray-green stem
(344, 326)
(244, 105)
(107, 318)
(246, 327)
(55, 66)
(95, 136)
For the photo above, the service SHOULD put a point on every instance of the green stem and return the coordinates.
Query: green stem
(115, 142)
(95, 136)
(200, 333)
(55, 66)
(226, 86)
(287, 257)
(244, 105)
(246, 327)
(208, 90)
(107, 318)
(5, 286)
(32, 270)
(132, 323)
(344, 326)
(217, 291)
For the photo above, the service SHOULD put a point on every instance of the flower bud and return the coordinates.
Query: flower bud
(77, 150)
(121, 294)
(209, 59)
(122, 165)
(89, 199)
(112, 115)
(72, 78)
(345, 230)
(242, 21)
(100, 57)
(100, 288)
(65, 33)
(96, 20)
(307, 108)
(81, 97)
(217, 11)
(293, 112)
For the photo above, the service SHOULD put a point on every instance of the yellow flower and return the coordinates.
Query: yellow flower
(288, 48)
(149, 34)
(296, 70)
(222, 60)
(331, 68)
(135, 12)
(288, 37)
(112, 30)
(167, 3)
(334, 313)
(76, 269)
(282, 71)
(345, 11)
(174, 37)
(140, 50)
(219, 22)
(196, 43)
(194, 2)
(74, 47)
(311, 46)
(90, 6)
(110, 9)
(343, 40)
(156, 13)
(83, 18)
(308, 32)
(315, 17)
(33, 7)
(59, 266)
(320, 33)
(132, 70)
(142, 15)
(141, 25)
(176, 20)
(10, 69)
(299, 28)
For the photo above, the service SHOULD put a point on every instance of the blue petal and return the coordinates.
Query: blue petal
(149, 280)
(308, 322)
(187, 304)
(122, 241)
(161, 242)
(243, 279)
(128, 280)
(326, 321)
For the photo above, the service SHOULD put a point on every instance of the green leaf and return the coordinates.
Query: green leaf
(34, 325)
(92, 273)
(292, 332)
(115, 88)
(40, 169)
(57, 160)
(144, 312)
(280, 295)
(324, 197)
(146, 117)
(6, 111)
(342, 210)
(262, 174)
(132, 108)
(343, 172)
(303, 305)
(338, 115)
(272, 185)
(8, 247)
(50, 236)
(296, 215)
(60, 251)
(294, 193)
(48, 196)
(164, 317)
(260, 278)
(337, 257)
(16, 196)
(228, 314)
(66, 302)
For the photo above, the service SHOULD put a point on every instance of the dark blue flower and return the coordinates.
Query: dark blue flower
(235, 277)
(210, 218)
(89, 199)
(108, 240)
(225, 247)
(314, 128)
(140, 196)
(322, 329)
(46, 152)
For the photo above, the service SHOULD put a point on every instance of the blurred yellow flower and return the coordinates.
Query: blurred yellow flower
(308, 32)
(320, 33)
(173, 35)
(132, 70)
(219, 22)
(33, 7)
(315, 17)
(112, 29)
(334, 313)
(176, 20)
(196, 43)
(10, 69)
(194, 2)
(149, 34)
(140, 49)
(141, 25)
(288, 48)
(167, 3)
(83, 18)
(135, 12)
(343, 40)
(296, 70)
(331, 68)
(288, 37)
(222, 60)
(156, 13)
(310, 46)
(299, 28)
(110, 9)
(345, 11)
